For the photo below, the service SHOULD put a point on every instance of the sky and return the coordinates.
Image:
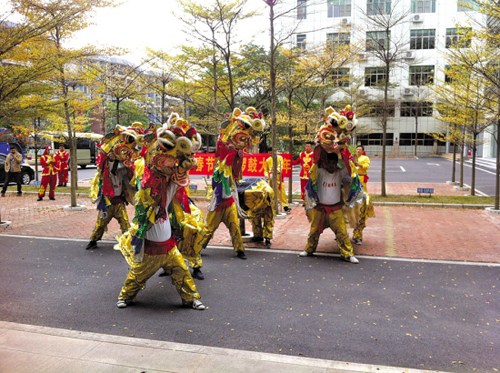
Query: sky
(137, 24)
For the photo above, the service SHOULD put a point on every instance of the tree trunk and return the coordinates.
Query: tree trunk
(473, 181)
(416, 134)
(117, 111)
(272, 76)
(290, 147)
(454, 167)
(497, 181)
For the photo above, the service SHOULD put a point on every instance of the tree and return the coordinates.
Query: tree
(483, 58)
(214, 25)
(68, 103)
(119, 80)
(387, 47)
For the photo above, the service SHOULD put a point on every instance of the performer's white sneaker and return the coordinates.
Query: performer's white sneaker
(353, 260)
(122, 303)
(305, 253)
(196, 305)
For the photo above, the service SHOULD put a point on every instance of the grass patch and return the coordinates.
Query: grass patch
(461, 200)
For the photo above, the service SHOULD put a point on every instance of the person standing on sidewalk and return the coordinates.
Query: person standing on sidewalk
(268, 172)
(305, 161)
(362, 164)
(49, 173)
(13, 170)
(62, 158)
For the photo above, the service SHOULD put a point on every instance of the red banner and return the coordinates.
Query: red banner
(253, 164)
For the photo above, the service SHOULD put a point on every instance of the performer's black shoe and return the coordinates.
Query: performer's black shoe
(197, 273)
(268, 243)
(52, 198)
(59, 185)
(257, 239)
(287, 209)
(241, 255)
(91, 245)
(40, 199)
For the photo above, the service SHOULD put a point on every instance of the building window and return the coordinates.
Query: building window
(421, 75)
(377, 110)
(377, 40)
(374, 76)
(339, 8)
(422, 39)
(375, 139)
(467, 5)
(419, 109)
(338, 39)
(423, 6)
(301, 41)
(340, 77)
(375, 7)
(458, 37)
(423, 139)
(301, 9)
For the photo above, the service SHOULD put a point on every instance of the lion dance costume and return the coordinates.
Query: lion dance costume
(110, 188)
(256, 198)
(331, 171)
(237, 135)
(49, 174)
(150, 244)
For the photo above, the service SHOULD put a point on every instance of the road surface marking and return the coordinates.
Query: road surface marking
(402, 168)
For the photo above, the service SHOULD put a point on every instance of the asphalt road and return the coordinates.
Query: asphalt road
(438, 316)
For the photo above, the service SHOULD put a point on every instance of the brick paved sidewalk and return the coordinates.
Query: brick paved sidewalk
(396, 231)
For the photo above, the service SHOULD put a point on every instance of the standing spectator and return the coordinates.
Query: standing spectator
(49, 174)
(268, 172)
(13, 170)
(305, 160)
(62, 159)
(362, 164)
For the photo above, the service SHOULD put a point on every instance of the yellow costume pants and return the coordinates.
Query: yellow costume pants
(319, 220)
(262, 224)
(172, 262)
(361, 222)
(117, 211)
(190, 247)
(228, 216)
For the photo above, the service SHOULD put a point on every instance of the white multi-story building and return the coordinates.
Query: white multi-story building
(422, 38)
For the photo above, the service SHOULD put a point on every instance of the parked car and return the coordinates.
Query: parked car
(27, 173)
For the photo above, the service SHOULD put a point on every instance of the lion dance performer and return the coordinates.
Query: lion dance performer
(62, 158)
(237, 135)
(150, 244)
(331, 170)
(305, 160)
(364, 210)
(110, 188)
(256, 198)
(49, 174)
